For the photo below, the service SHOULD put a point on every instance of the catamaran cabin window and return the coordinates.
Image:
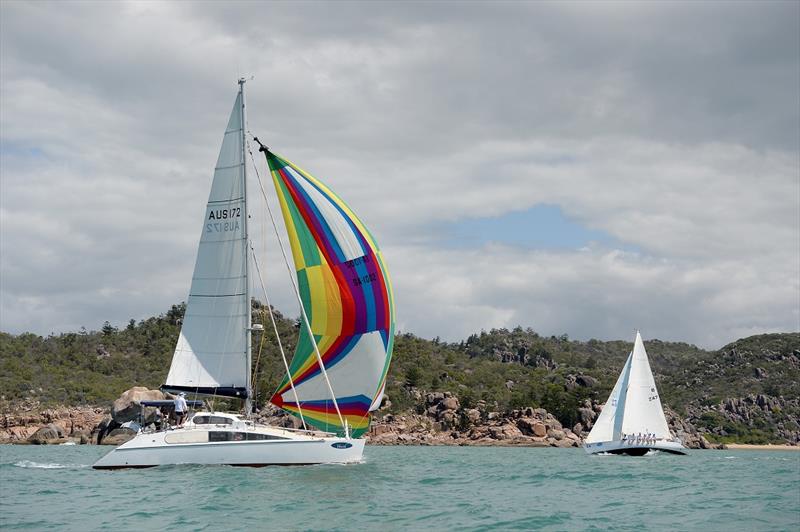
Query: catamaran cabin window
(220, 435)
(212, 420)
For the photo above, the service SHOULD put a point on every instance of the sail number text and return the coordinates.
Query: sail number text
(365, 259)
(220, 220)
(359, 280)
(364, 279)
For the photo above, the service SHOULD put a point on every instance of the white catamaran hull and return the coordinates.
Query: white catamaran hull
(634, 449)
(155, 449)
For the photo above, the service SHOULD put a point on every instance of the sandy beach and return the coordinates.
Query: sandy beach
(750, 447)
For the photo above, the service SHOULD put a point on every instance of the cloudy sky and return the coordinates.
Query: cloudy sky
(585, 168)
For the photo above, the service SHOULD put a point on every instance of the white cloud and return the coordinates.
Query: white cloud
(671, 127)
(589, 294)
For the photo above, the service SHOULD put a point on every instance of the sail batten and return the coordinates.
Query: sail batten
(345, 290)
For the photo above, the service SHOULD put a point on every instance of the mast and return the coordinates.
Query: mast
(248, 402)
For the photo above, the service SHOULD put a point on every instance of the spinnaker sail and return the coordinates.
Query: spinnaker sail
(347, 296)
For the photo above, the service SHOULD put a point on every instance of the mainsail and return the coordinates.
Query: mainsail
(211, 353)
(643, 410)
(345, 290)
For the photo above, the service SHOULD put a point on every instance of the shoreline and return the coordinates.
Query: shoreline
(519, 428)
(755, 447)
(495, 443)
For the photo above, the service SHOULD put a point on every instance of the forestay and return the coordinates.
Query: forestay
(345, 290)
(211, 353)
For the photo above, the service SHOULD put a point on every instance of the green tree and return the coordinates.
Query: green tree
(414, 376)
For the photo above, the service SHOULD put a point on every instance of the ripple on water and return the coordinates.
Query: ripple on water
(555, 520)
(613, 504)
(407, 488)
(434, 481)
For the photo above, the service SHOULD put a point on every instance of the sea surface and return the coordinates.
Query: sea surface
(408, 488)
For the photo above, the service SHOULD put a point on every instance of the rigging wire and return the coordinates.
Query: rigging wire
(280, 344)
(254, 374)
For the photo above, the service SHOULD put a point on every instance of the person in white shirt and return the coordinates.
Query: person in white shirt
(180, 408)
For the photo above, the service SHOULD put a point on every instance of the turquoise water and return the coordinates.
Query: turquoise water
(408, 488)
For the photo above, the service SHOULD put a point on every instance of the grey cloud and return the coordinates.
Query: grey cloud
(602, 295)
(673, 126)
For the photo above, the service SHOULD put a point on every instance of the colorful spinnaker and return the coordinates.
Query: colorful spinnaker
(345, 290)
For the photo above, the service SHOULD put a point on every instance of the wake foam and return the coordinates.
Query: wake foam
(28, 464)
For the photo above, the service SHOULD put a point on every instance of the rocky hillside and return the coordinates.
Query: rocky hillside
(746, 392)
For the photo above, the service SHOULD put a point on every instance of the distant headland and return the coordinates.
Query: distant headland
(497, 387)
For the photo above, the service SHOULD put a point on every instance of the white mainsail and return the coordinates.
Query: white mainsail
(643, 411)
(211, 353)
(634, 406)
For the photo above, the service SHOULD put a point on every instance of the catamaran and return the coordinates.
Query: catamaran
(338, 372)
(632, 421)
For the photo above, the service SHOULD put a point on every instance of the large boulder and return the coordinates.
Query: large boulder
(532, 427)
(450, 403)
(447, 419)
(49, 433)
(504, 432)
(118, 436)
(473, 415)
(564, 443)
(525, 425)
(433, 398)
(552, 423)
(540, 413)
(129, 405)
(570, 382)
(586, 417)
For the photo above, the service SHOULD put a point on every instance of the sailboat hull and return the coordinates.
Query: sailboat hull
(192, 446)
(634, 449)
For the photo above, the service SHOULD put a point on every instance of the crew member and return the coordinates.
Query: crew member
(180, 408)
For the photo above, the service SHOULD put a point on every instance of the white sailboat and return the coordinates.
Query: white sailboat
(632, 421)
(338, 372)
